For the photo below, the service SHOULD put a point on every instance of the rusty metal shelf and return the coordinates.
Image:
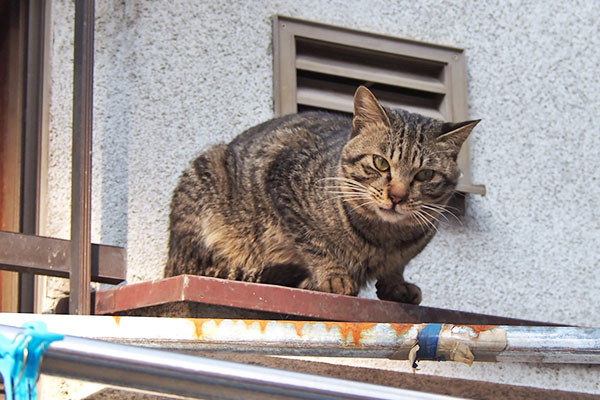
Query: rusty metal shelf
(202, 297)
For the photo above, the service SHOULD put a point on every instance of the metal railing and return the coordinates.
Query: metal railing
(199, 377)
(25, 252)
(144, 368)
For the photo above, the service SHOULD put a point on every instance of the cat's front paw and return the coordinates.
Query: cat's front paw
(339, 285)
(401, 292)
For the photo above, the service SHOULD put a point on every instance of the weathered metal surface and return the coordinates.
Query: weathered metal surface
(48, 256)
(442, 342)
(33, 117)
(552, 345)
(81, 185)
(295, 303)
(197, 377)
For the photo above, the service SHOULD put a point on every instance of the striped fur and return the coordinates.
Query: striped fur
(298, 200)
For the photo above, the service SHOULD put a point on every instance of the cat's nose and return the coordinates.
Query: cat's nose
(398, 193)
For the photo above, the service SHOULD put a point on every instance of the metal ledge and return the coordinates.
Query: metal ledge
(202, 297)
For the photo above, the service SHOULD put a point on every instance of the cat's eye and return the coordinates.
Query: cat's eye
(424, 175)
(380, 163)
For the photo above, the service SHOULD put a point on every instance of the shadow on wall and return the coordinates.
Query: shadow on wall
(113, 122)
(115, 179)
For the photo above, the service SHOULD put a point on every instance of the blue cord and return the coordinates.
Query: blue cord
(20, 360)
(9, 364)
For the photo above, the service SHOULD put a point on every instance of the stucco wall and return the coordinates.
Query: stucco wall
(173, 77)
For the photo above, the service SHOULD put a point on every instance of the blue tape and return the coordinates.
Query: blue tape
(20, 360)
(428, 343)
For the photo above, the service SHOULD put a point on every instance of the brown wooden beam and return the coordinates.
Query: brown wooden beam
(48, 256)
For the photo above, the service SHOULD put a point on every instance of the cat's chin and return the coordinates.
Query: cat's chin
(391, 216)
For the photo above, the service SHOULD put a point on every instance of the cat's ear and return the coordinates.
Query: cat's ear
(455, 134)
(367, 110)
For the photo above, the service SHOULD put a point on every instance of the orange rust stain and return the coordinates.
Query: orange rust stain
(481, 328)
(247, 322)
(299, 325)
(263, 325)
(217, 321)
(198, 323)
(330, 325)
(357, 330)
(347, 327)
(401, 329)
(117, 320)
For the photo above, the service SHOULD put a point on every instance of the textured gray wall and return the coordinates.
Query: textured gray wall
(173, 77)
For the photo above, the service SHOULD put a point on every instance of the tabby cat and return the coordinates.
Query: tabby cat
(318, 200)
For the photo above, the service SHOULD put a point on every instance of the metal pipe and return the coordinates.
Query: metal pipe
(184, 375)
(465, 343)
(81, 191)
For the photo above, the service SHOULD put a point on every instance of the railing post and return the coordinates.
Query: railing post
(80, 302)
(33, 115)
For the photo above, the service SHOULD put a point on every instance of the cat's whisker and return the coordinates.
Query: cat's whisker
(349, 189)
(444, 210)
(337, 178)
(356, 198)
(350, 193)
(333, 187)
(429, 223)
(363, 204)
(353, 190)
(349, 198)
(433, 216)
(419, 220)
(423, 221)
(346, 191)
(445, 207)
(368, 201)
(344, 180)
(436, 210)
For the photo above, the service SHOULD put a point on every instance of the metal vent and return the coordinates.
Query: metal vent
(327, 75)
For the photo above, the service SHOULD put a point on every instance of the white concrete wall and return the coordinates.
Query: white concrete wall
(173, 77)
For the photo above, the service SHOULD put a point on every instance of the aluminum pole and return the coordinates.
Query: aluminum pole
(444, 342)
(199, 377)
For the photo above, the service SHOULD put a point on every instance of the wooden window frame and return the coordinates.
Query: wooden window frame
(450, 86)
(21, 136)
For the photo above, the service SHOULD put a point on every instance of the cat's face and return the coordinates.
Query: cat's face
(399, 167)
